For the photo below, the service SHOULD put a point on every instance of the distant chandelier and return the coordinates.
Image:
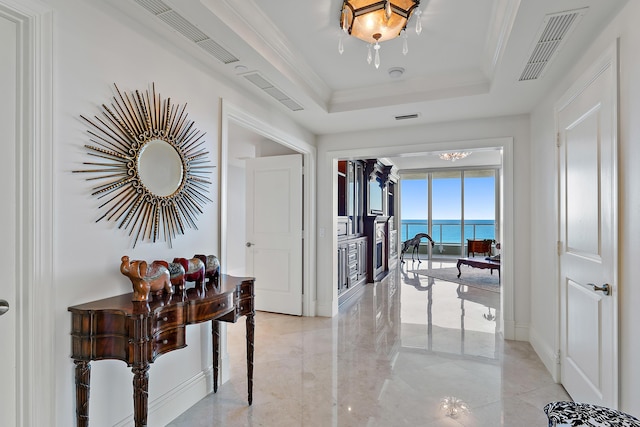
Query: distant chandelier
(454, 156)
(375, 21)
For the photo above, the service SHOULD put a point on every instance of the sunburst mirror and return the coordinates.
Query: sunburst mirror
(151, 165)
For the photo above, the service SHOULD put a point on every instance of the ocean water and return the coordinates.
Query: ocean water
(449, 230)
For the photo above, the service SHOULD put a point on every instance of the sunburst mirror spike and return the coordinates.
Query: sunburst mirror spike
(153, 165)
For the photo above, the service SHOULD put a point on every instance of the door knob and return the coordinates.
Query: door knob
(249, 244)
(4, 307)
(605, 288)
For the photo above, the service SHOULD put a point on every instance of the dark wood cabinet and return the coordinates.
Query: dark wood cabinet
(366, 227)
(479, 246)
(352, 266)
(352, 245)
(350, 197)
(380, 224)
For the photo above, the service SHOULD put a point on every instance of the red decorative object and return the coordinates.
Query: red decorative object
(211, 267)
(193, 270)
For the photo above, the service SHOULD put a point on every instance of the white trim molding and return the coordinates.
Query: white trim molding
(34, 248)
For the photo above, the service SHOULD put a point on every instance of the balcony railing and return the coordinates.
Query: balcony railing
(449, 233)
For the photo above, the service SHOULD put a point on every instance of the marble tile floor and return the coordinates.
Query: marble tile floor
(388, 359)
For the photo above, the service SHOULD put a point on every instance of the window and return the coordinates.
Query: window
(451, 206)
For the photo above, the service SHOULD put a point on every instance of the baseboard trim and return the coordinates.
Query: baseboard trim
(355, 290)
(521, 332)
(546, 354)
(326, 309)
(167, 407)
(509, 330)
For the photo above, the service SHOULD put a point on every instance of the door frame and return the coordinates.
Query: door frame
(34, 240)
(510, 328)
(231, 113)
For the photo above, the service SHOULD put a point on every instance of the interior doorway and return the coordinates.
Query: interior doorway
(506, 203)
(243, 138)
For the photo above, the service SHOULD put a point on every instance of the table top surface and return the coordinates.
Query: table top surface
(478, 261)
(190, 295)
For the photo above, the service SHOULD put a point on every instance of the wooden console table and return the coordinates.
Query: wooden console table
(138, 332)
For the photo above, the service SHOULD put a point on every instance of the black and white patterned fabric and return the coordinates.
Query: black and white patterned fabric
(586, 414)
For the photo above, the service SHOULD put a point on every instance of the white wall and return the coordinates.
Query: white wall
(95, 47)
(415, 138)
(544, 297)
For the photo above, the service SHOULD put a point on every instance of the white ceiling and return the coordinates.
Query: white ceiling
(465, 64)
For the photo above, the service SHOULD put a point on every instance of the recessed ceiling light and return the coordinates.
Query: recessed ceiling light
(396, 72)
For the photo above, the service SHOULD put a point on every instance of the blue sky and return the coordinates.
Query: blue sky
(479, 198)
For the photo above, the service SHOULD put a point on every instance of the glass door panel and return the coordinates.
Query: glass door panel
(446, 211)
(413, 205)
(479, 204)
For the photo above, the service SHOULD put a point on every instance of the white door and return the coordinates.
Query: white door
(274, 232)
(8, 120)
(587, 139)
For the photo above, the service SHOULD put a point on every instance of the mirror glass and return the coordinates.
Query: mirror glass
(160, 167)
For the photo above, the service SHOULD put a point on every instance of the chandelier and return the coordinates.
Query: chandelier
(454, 156)
(375, 21)
(452, 406)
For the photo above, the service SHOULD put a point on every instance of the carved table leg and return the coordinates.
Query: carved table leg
(140, 394)
(250, 330)
(215, 341)
(83, 379)
(459, 272)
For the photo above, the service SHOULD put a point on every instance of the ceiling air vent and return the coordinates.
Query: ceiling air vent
(266, 86)
(551, 36)
(407, 116)
(170, 17)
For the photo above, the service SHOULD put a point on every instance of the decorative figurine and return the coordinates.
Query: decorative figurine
(211, 268)
(146, 279)
(176, 274)
(193, 270)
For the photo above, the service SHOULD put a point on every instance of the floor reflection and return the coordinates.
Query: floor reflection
(444, 317)
(392, 357)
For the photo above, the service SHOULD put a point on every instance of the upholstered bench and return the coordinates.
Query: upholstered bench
(586, 414)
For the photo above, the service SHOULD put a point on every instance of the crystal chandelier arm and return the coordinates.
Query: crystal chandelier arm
(405, 43)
